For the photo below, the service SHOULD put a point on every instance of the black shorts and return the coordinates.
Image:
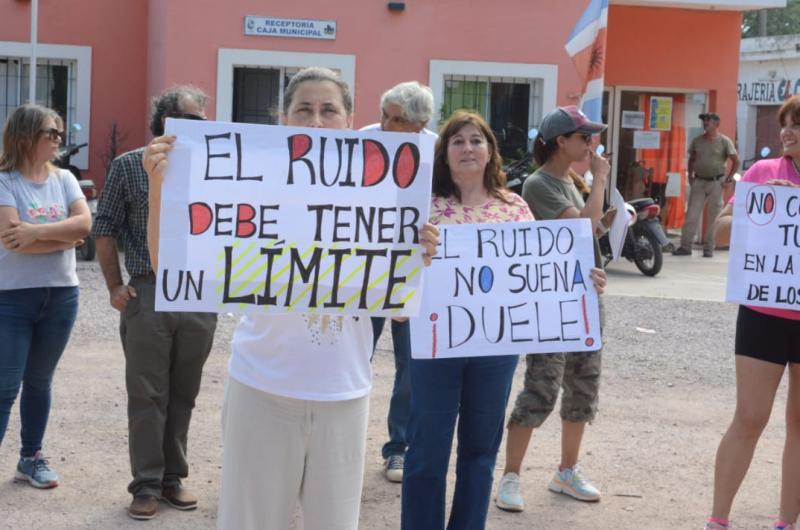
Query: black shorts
(766, 337)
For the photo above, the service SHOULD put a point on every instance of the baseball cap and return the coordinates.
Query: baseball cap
(566, 120)
(709, 116)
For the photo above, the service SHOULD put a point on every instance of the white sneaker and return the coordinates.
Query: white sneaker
(571, 482)
(509, 497)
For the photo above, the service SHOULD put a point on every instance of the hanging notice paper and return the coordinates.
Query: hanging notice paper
(509, 289)
(632, 119)
(765, 247)
(646, 140)
(266, 219)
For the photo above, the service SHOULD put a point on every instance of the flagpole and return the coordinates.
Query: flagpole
(34, 37)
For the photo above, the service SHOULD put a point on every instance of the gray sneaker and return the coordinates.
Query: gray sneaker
(394, 468)
(680, 251)
(36, 471)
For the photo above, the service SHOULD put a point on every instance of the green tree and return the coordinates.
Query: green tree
(784, 21)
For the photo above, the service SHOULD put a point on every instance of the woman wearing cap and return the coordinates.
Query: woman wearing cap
(766, 346)
(564, 138)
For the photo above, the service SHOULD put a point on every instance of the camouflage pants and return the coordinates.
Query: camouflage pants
(577, 373)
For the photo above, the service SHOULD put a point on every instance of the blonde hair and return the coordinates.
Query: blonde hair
(22, 130)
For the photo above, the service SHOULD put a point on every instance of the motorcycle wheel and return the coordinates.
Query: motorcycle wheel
(87, 251)
(647, 254)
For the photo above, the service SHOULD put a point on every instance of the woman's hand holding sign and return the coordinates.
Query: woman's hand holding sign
(429, 238)
(154, 160)
(599, 280)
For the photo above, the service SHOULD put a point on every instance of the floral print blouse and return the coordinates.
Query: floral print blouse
(448, 210)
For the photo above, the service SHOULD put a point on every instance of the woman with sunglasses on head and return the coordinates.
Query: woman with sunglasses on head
(43, 216)
(766, 346)
(297, 398)
(552, 193)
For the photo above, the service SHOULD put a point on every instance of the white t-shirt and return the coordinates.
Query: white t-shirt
(310, 357)
(377, 127)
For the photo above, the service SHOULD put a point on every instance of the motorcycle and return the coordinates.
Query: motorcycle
(516, 173)
(645, 238)
(87, 250)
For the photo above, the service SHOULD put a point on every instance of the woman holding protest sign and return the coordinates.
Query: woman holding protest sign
(468, 187)
(296, 404)
(767, 344)
(43, 216)
(564, 138)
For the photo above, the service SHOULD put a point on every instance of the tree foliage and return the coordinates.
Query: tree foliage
(784, 21)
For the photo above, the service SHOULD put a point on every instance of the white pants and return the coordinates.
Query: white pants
(279, 450)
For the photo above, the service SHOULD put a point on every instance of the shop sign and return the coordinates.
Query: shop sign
(768, 91)
(290, 27)
(660, 113)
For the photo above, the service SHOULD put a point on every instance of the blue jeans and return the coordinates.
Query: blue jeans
(474, 390)
(400, 404)
(35, 325)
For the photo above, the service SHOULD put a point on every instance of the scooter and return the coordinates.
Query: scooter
(645, 238)
(87, 250)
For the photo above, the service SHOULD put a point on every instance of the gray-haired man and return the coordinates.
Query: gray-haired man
(406, 107)
(164, 351)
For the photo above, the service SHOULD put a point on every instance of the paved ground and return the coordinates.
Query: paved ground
(667, 398)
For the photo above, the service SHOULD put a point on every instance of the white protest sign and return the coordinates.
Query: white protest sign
(266, 219)
(619, 227)
(765, 247)
(509, 289)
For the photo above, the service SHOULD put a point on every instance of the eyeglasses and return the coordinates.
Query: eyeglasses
(188, 116)
(54, 135)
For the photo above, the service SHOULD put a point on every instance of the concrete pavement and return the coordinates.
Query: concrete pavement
(682, 278)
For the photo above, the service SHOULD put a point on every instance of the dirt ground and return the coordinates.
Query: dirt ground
(666, 399)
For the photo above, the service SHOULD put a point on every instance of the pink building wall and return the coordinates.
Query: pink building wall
(390, 47)
(116, 31)
(141, 47)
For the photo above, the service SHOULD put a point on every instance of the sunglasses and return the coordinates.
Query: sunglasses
(586, 137)
(54, 135)
(188, 116)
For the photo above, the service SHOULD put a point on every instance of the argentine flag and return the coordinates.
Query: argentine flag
(586, 47)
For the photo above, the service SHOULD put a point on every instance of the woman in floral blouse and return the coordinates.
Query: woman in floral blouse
(468, 187)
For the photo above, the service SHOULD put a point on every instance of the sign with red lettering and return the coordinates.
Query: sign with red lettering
(765, 242)
(509, 289)
(268, 219)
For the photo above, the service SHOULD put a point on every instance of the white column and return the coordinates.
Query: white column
(34, 36)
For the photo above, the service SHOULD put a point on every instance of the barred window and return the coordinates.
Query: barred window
(510, 105)
(258, 93)
(56, 84)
